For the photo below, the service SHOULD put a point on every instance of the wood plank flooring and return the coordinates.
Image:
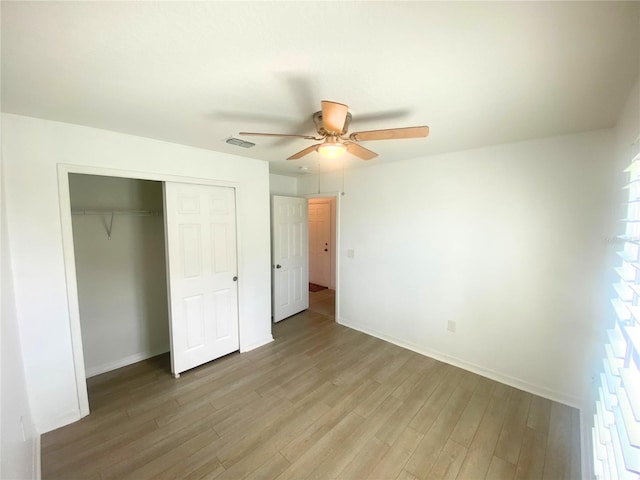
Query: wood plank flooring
(321, 402)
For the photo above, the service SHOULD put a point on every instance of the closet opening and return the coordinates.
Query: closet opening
(119, 250)
(151, 263)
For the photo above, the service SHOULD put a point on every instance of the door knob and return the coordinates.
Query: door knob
(326, 250)
(278, 266)
(235, 279)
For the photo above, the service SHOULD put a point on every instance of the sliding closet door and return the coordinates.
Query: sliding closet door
(202, 273)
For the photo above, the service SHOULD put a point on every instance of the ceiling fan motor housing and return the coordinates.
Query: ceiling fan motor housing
(317, 120)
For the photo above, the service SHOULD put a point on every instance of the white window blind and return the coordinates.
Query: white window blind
(616, 431)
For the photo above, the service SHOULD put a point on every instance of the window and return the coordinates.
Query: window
(616, 431)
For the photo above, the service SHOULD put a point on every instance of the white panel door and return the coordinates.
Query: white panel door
(290, 256)
(201, 273)
(320, 243)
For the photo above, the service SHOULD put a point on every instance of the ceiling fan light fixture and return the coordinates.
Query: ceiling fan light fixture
(332, 150)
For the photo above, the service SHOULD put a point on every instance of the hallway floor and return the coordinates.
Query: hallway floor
(323, 302)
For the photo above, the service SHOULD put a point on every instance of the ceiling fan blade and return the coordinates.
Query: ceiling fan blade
(390, 134)
(360, 151)
(333, 116)
(307, 137)
(304, 152)
(240, 116)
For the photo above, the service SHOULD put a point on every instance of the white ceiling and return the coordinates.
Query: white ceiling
(478, 73)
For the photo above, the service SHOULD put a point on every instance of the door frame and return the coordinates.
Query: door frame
(338, 197)
(64, 197)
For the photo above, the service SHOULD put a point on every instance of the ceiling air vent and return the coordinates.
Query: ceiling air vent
(239, 143)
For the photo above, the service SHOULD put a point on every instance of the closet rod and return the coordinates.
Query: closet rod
(152, 213)
(113, 213)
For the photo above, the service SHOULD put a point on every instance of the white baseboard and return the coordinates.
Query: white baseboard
(37, 464)
(60, 421)
(138, 357)
(253, 346)
(122, 362)
(559, 397)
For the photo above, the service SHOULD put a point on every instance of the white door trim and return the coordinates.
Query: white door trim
(69, 254)
(338, 197)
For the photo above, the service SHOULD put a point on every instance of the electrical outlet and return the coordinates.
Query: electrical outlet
(451, 326)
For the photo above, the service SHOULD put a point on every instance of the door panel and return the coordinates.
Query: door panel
(201, 263)
(290, 256)
(194, 319)
(190, 241)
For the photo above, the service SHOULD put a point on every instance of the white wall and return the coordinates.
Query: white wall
(19, 442)
(122, 285)
(627, 132)
(506, 241)
(283, 185)
(32, 149)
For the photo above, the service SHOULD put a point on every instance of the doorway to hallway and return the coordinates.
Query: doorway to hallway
(322, 242)
(322, 255)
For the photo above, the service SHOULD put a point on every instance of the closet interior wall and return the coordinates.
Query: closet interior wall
(120, 268)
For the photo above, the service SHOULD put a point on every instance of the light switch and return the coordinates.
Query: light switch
(350, 253)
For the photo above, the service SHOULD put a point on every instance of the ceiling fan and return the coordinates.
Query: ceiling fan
(332, 124)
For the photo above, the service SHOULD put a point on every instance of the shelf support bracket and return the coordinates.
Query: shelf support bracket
(110, 228)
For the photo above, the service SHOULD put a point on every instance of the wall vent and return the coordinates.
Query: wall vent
(240, 143)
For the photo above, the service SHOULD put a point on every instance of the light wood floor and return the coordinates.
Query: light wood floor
(322, 401)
